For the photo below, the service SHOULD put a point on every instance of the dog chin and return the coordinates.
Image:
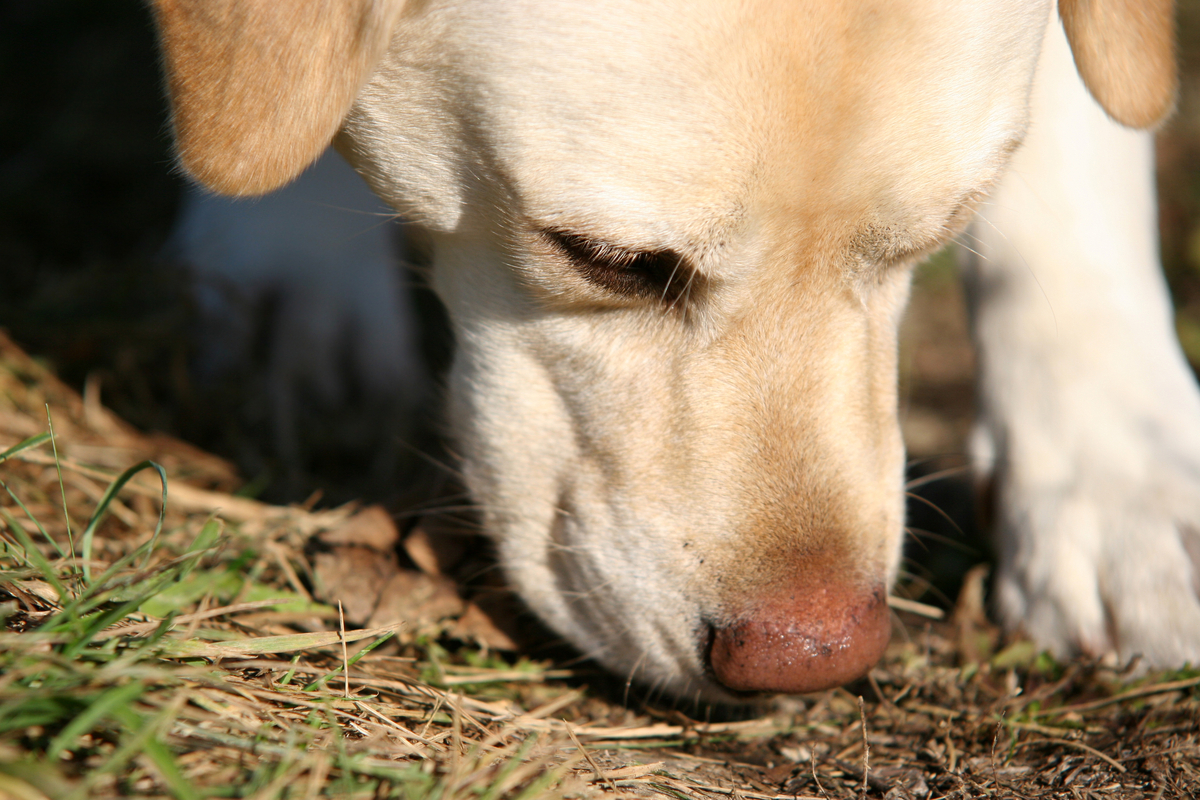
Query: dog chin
(632, 597)
(633, 632)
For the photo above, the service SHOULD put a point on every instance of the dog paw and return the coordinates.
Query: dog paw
(1107, 561)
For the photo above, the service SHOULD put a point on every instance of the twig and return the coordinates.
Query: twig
(657, 731)
(953, 753)
(634, 772)
(393, 725)
(1079, 746)
(554, 706)
(600, 776)
(689, 784)
(1169, 751)
(812, 762)
(862, 715)
(289, 573)
(345, 651)
(913, 607)
(878, 691)
(437, 706)
(995, 741)
(1120, 698)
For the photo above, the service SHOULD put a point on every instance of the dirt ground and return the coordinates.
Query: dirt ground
(87, 197)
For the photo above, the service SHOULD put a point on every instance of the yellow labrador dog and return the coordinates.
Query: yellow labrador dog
(675, 240)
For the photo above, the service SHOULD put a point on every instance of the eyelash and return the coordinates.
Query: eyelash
(657, 274)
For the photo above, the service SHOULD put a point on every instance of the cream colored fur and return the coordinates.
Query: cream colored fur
(1090, 420)
(651, 469)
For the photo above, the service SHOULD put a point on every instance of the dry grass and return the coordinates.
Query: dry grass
(209, 661)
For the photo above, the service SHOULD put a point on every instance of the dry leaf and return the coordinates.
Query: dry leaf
(356, 576)
(416, 599)
(267, 644)
(476, 625)
(434, 551)
(372, 527)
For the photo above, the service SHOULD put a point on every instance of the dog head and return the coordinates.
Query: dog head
(675, 242)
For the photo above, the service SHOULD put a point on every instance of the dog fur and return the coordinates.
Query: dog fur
(675, 242)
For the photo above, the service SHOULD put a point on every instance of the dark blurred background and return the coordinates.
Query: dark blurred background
(88, 196)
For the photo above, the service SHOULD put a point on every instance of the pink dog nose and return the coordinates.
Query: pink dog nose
(804, 640)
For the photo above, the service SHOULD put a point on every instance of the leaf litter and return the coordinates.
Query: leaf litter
(213, 661)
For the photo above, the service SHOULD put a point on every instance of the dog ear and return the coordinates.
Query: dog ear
(1125, 52)
(258, 88)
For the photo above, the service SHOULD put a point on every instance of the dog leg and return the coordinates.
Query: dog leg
(301, 300)
(1089, 414)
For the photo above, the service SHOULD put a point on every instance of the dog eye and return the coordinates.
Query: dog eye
(645, 274)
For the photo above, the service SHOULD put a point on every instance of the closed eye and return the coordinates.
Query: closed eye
(662, 275)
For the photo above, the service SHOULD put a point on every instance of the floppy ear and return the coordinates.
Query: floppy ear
(1125, 52)
(259, 87)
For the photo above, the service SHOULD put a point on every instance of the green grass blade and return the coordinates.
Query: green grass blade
(160, 754)
(33, 519)
(21, 447)
(109, 702)
(291, 673)
(72, 613)
(62, 487)
(34, 555)
(140, 739)
(36, 709)
(99, 623)
(319, 682)
(99, 591)
(106, 500)
(208, 538)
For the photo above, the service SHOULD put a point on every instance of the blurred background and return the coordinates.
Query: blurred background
(88, 198)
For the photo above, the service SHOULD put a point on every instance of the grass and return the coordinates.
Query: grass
(117, 680)
(159, 638)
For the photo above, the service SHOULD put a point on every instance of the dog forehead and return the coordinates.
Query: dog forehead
(662, 123)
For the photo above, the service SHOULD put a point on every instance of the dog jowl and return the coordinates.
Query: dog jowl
(675, 242)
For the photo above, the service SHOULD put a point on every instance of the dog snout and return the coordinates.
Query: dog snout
(804, 639)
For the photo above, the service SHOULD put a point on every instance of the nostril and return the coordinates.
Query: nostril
(802, 640)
